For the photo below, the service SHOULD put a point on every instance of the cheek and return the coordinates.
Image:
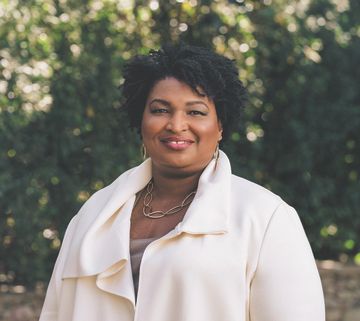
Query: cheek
(148, 126)
(151, 127)
(210, 132)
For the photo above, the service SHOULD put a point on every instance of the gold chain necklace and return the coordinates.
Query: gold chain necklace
(158, 214)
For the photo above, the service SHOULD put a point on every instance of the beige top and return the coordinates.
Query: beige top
(137, 248)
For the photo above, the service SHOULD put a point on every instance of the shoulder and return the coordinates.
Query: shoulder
(105, 202)
(98, 200)
(252, 195)
(257, 205)
(91, 209)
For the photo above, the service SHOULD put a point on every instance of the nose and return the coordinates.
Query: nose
(177, 123)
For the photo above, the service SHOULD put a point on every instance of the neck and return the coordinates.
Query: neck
(174, 186)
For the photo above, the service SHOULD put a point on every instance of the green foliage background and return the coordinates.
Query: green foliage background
(62, 135)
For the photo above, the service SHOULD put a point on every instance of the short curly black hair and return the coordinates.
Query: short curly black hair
(198, 67)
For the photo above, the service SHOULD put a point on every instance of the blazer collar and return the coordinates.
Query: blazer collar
(208, 212)
(100, 243)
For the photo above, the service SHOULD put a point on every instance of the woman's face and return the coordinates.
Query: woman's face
(180, 129)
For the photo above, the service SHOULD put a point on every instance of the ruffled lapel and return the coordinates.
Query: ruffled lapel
(101, 237)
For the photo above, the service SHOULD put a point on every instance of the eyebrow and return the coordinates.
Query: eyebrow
(189, 103)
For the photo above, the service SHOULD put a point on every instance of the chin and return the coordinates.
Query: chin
(180, 164)
(176, 162)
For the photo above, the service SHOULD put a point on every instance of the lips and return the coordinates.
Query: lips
(176, 143)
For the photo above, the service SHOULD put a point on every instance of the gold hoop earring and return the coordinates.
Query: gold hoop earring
(216, 155)
(143, 151)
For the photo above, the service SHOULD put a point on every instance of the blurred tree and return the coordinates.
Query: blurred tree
(63, 137)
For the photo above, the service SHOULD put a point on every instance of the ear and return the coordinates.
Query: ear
(220, 130)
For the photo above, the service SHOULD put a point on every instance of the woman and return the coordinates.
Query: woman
(212, 246)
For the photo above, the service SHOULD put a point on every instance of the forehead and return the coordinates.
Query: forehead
(172, 88)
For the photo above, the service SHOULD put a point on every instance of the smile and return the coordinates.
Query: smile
(176, 144)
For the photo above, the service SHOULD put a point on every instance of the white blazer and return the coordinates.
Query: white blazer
(239, 254)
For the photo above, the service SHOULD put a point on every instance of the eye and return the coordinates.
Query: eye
(197, 112)
(158, 110)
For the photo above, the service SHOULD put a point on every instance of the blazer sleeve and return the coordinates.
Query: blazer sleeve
(286, 285)
(49, 310)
